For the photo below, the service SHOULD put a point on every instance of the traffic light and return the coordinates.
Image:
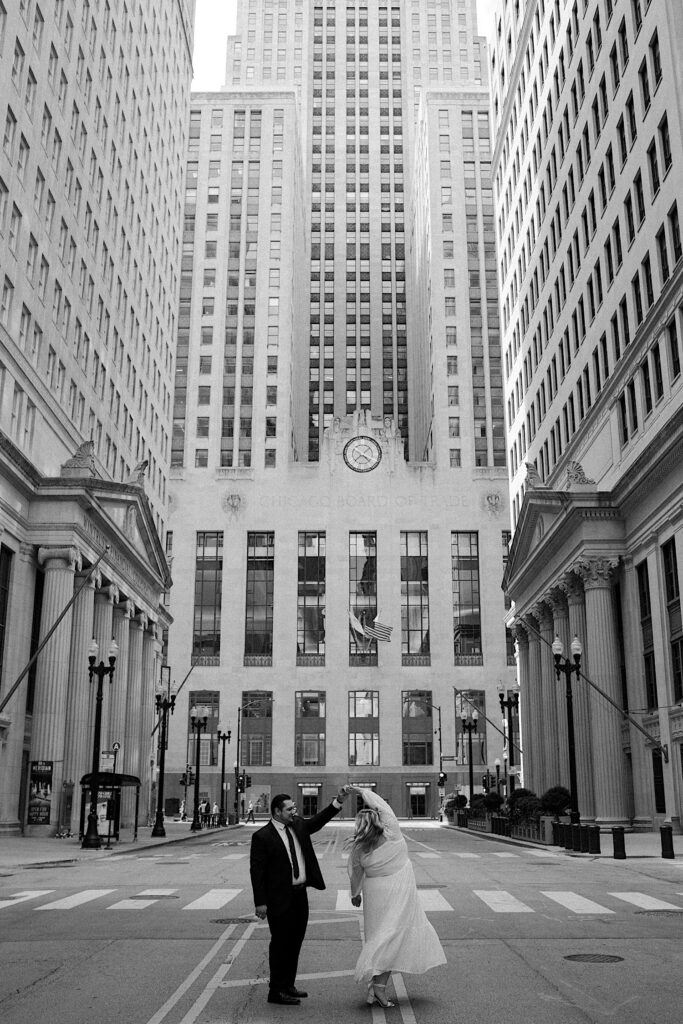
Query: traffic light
(240, 783)
(485, 781)
(248, 781)
(183, 780)
(442, 778)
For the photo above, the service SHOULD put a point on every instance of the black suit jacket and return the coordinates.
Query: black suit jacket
(270, 867)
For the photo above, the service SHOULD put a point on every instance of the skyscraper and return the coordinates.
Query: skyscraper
(338, 448)
(587, 121)
(94, 107)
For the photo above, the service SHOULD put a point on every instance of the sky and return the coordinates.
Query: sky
(216, 20)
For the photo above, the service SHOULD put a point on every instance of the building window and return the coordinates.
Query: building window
(309, 728)
(208, 583)
(465, 588)
(5, 577)
(647, 637)
(418, 727)
(414, 597)
(467, 702)
(362, 596)
(206, 702)
(673, 604)
(258, 632)
(310, 634)
(364, 727)
(256, 745)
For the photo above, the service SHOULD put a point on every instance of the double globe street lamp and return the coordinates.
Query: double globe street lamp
(165, 704)
(223, 738)
(469, 719)
(563, 666)
(91, 839)
(198, 718)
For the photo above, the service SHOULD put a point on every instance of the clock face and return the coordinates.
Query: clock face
(362, 454)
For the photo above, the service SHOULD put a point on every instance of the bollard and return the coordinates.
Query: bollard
(560, 833)
(556, 833)
(594, 839)
(567, 837)
(618, 839)
(584, 839)
(667, 837)
(576, 838)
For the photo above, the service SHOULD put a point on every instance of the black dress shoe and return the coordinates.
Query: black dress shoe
(283, 998)
(296, 992)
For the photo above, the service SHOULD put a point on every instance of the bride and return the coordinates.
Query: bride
(398, 936)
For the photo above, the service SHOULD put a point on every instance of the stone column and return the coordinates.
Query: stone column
(601, 641)
(641, 755)
(13, 715)
(79, 737)
(573, 589)
(147, 744)
(52, 674)
(556, 600)
(131, 732)
(522, 638)
(117, 718)
(551, 754)
(534, 744)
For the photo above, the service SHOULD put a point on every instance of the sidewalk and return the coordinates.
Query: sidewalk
(638, 845)
(17, 852)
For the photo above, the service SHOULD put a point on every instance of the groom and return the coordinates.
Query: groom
(283, 863)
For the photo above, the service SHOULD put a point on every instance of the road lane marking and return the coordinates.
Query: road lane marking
(502, 902)
(429, 856)
(403, 998)
(644, 902)
(325, 976)
(214, 899)
(214, 983)
(164, 1010)
(21, 897)
(234, 856)
(508, 855)
(466, 856)
(68, 902)
(577, 904)
(542, 853)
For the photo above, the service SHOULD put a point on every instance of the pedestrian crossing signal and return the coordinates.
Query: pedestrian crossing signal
(443, 778)
(248, 781)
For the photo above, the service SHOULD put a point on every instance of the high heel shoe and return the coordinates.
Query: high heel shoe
(378, 994)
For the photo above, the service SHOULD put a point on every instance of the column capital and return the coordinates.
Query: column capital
(596, 573)
(111, 593)
(142, 620)
(556, 599)
(542, 612)
(520, 633)
(71, 555)
(572, 588)
(126, 608)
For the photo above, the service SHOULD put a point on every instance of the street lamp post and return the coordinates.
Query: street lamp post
(91, 840)
(165, 703)
(563, 666)
(198, 718)
(223, 737)
(510, 705)
(497, 764)
(469, 721)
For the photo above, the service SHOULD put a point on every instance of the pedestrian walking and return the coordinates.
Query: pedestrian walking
(397, 933)
(282, 865)
(250, 812)
(214, 814)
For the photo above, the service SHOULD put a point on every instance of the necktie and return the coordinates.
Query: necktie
(292, 852)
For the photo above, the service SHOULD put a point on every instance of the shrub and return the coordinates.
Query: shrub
(492, 801)
(556, 801)
(526, 808)
(518, 794)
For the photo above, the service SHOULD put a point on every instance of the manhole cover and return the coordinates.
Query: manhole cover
(594, 958)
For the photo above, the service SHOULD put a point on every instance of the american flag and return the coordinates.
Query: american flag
(378, 631)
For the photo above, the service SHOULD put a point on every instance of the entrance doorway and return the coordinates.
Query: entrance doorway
(418, 802)
(309, 801)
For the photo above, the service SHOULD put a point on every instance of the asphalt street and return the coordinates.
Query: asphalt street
(168, 936)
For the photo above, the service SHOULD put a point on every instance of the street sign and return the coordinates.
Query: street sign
(107, 761)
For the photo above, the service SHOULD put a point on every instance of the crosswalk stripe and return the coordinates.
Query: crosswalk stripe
(542, 853)
(234, 856)
(139, 903)
(21, 897)
(577, 904)
(508, 855)
(430, 900)
(466, 856)
(644, 902)
(430, 856)
(69, 902)
(214, 899)
(502, 902)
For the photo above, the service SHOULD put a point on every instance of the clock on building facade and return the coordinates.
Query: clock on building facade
(361, 454)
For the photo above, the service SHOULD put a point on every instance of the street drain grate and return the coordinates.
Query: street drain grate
(660, 913)
(232, 920)
(155, 896)
(594, 958)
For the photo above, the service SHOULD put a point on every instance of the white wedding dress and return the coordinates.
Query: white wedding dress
(398, 935)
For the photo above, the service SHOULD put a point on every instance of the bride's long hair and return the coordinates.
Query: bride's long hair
(368, 830)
